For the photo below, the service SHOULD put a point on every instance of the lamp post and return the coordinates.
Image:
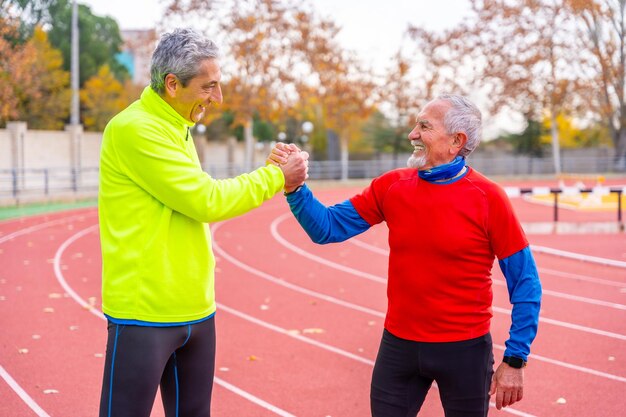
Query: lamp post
(307, 128)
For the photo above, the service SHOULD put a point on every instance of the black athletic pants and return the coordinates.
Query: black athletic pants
(405, 370)
(181, 359)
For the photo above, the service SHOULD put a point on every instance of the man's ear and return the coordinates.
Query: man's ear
(171, 85)
(458, 141)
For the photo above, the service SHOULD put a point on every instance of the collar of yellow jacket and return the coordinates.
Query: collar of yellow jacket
(160, 107)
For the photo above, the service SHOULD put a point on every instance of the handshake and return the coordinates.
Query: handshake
(293, 162)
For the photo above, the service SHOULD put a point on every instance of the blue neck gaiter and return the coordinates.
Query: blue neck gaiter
(443, 172)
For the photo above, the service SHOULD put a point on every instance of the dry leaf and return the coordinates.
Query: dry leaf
(313, 331)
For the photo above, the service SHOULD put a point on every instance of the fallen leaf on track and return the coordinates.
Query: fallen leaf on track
(313, 331)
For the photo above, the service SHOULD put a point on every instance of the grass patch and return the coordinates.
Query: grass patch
(32, 209)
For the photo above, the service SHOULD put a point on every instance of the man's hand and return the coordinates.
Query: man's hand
(508, 385)
(293, 162)
(280, 152)
(295, 170)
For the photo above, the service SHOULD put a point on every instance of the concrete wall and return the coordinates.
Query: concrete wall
(39, 149)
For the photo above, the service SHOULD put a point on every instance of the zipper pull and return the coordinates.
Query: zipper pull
(187, 136)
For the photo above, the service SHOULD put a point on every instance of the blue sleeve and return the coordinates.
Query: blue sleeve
(325, 224)
(522, 281)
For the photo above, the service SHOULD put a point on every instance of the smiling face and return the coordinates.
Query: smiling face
(432, 145)
(192, 101)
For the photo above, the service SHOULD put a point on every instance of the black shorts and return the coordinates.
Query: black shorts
(405, 370)
(181, 359)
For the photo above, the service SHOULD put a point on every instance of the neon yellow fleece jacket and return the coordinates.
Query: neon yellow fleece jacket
(154, 206)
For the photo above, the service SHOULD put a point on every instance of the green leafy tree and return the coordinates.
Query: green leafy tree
(99, 43)
(100, 40)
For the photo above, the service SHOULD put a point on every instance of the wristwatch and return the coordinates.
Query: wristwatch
(293, 192)
(514, 362)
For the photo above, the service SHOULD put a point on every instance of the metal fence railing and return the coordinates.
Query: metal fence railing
(47, 182)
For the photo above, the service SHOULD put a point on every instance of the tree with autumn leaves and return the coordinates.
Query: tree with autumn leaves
(34, 71)
(554, 58)
(277, 54)
(34, 86)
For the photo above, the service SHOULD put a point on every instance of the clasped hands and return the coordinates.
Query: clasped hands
(293, 162)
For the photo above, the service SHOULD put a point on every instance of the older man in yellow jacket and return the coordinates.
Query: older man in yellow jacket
(155, 203)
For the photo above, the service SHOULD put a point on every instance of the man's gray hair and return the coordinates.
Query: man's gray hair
(180, 53)
(463, 116)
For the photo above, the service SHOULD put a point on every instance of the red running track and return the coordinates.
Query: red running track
(298, 324)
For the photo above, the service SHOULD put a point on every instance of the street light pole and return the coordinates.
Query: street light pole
(75, 106)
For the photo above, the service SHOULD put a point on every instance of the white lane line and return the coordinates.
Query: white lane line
(22, 394)
(331, 264)
(319, 259)
(294, 287)
(61, 279)
(578, 256)
(578, 298)
(40, 226)
(568, 325)
(578, 277)
(78, 299)
(252, 398)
